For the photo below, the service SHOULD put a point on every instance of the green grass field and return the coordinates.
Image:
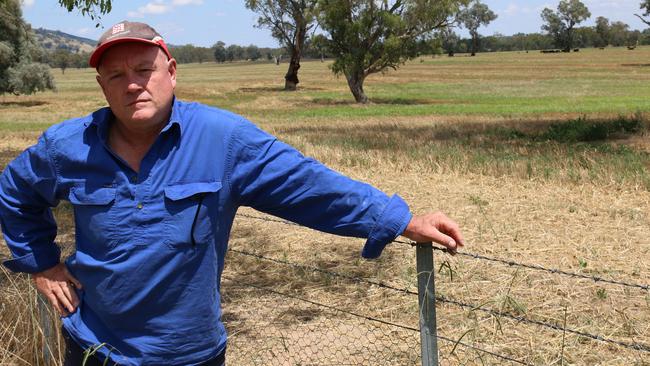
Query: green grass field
(542, 158)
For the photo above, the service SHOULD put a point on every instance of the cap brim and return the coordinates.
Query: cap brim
(97, 54)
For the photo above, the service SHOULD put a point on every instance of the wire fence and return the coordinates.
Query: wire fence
(491, 259)
(346, 347)
(276, 326)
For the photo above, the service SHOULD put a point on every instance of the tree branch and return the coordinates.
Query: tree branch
(642, 19)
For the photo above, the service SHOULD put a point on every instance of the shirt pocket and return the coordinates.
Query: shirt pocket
(191, 213)
(93, 214)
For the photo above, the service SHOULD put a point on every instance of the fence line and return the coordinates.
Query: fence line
(521, 319)
(333, 308)
(492, 259)
(539, 268)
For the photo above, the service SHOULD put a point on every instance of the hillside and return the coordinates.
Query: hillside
(52, 40)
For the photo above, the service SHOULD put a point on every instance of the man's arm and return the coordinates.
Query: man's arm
(273, 177)
(27, 191)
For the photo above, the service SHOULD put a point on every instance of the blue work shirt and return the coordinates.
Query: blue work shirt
(150, 245)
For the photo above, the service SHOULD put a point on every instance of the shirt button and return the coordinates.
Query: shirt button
(139, 206)
(134, 179)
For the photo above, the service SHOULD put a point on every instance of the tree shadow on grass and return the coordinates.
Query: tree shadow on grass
(518, 132)
(261, 89)
(266, 89)
(22, 103)
(382, 101)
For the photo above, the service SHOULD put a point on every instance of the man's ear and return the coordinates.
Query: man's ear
(171, 68)
(99, 81)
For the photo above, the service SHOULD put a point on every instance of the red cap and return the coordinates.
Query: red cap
(126, 32)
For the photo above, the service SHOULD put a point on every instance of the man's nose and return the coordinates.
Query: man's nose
(134, 84)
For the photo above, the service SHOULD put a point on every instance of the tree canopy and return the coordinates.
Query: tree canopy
(602, 30)
(561, 23)
(18, 73)
(92, 8)
(473, 17)
(367, 36)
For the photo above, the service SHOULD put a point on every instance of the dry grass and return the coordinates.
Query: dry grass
(583, 207)
(529, 222)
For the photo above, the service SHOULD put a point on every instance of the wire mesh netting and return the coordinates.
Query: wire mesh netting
(277, 330)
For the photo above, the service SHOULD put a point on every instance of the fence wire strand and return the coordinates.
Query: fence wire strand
(538, 268)
(376, 320)
(442, 299)
(492, 259)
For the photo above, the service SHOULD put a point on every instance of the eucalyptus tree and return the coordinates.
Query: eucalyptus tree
(473, 17)
(561, 23)
(603, 32)
(620, 34)
(219, 51)
(19, 74)
(289, 22)
(449, 40)
(370, 36)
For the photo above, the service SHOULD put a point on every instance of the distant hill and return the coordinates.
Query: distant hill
(53, 40)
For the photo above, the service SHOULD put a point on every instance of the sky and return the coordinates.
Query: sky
(204, 22)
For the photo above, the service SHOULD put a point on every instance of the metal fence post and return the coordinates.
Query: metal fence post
(427, 302)
(45, 322)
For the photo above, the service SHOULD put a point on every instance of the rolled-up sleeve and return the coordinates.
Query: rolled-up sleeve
(275, 178)
(27, 193)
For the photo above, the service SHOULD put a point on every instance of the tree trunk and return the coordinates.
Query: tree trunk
(355, 82)
(291, 78)
(474, 44)
(569, 40)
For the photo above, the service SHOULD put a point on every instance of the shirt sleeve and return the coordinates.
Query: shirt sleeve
(27, 193)
(275, 178)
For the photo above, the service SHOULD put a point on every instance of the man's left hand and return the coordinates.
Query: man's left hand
(436, 227)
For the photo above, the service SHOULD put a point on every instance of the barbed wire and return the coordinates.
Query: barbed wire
(442, 299)
(492, 259)
(537, 267)
(372, 319)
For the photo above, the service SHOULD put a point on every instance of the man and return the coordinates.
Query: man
(155, 184)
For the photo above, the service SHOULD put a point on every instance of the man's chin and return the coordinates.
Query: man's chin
(142, 116)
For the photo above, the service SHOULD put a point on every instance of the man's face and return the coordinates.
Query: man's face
(138, 82)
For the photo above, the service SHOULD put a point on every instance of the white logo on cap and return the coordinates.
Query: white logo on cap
(118, 28)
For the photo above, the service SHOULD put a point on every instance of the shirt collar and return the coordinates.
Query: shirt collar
(102, 118)
(175, 117)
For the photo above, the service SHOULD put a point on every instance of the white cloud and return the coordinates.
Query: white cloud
(83, 31)
(220, 14)
(514, 10)
(606, 4)
(159, 7)
(134, 14)
(27, 3)
(186, 2)
(154, 8)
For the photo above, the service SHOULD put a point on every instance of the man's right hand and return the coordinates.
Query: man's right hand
(57, 284)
